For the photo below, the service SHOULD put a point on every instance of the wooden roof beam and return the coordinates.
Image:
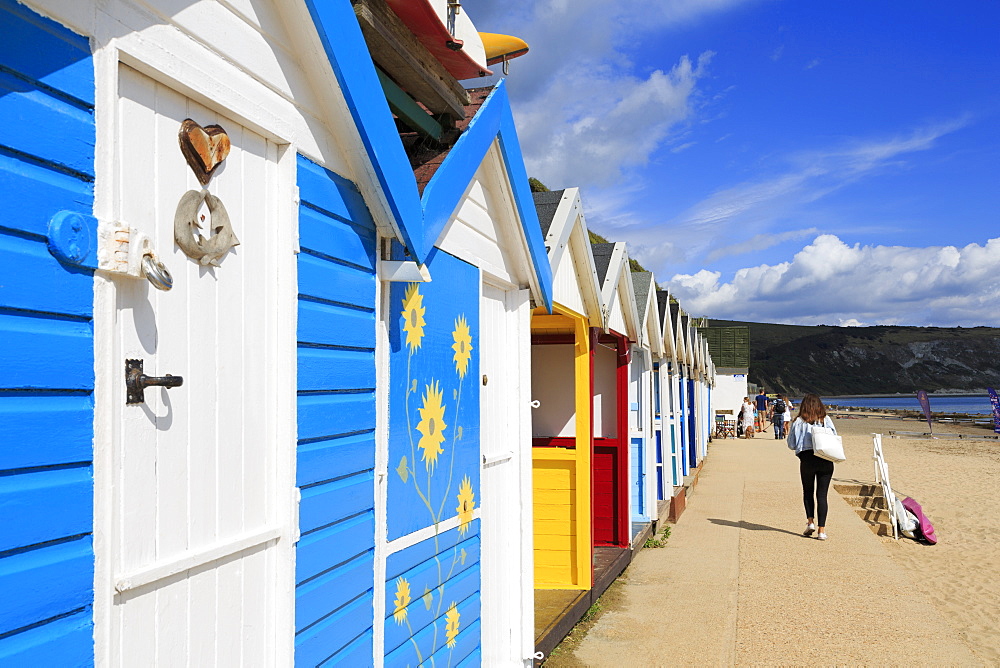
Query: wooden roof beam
(408, 62)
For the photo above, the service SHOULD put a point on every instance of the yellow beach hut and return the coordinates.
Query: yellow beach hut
(561, 379)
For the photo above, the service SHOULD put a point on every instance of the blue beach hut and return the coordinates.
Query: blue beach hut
(646, 353)
(218, 254)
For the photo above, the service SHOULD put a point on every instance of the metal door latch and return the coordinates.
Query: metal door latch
(136, 382)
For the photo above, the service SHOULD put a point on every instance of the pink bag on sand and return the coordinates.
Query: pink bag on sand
(926, 528)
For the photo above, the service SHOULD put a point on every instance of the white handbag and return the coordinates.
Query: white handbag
(827, 444)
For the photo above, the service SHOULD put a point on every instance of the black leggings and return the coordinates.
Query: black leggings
(816, 475)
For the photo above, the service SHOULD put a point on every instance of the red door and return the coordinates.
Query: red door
(606, 493)
(610, 461)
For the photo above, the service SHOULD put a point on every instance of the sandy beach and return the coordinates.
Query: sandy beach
(737, 584)
(958, 484)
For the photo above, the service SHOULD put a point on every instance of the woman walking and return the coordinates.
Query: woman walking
(748, 418)
(789, 407)
(816, 472)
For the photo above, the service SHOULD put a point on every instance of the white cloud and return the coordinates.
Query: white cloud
(585, 113)
(759, 242)
(809, 176)
(833, 283)
(755, 215)
(570, 139)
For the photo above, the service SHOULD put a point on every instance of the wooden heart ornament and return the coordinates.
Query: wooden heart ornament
(204, 148)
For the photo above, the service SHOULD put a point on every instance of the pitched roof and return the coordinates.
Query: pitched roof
(602, 258)
(642, 282)
(663, 300)
(546, 204)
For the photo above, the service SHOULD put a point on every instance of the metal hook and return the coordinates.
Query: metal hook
(156, 273)
(506, 66)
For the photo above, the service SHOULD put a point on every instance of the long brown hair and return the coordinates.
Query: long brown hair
(812, 409)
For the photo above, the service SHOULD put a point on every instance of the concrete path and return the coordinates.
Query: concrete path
(737, 583)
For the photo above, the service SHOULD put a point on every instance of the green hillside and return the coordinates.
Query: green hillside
(871, 360)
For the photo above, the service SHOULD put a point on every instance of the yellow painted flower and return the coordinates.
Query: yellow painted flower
(402, 600)
(413, 316)
(466, 502)
(462, 346)
(452, 617)
(431, 425)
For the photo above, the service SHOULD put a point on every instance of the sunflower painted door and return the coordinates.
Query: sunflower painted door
(199, 532)
(433, 565)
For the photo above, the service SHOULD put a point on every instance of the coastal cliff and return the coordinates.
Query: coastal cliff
(871, 360)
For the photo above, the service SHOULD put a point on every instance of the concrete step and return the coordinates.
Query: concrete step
(873, 515)
(866, 501)
(856, 489)
(869, 504)
(880, 529)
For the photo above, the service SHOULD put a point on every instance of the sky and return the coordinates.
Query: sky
(783, 161)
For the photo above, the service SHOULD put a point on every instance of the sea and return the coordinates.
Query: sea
(946, 403)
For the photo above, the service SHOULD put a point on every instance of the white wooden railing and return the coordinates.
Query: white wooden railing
(882, 476)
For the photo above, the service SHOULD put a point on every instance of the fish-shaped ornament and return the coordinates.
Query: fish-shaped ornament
(206, 250)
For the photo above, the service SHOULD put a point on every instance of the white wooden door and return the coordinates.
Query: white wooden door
(199, 513)
(507, 572)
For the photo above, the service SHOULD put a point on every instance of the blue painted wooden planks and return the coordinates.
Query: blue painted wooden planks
(31, 279)
(400, 562)
(457, 588)
(324, 280)
(466, 641)
(355, 411)
(325, 190)
(447, 566)
(65, 641)
(31, 192)
(45, 353)
(473, 659)
(41, 124)
(47, 140)
(328, 637)
(330, 502)
(40, 49)
(323, 369)
(336, 239)
(350, 580)
(47, 504)
(45, 582)
(354, 329)
(25, 420)
(335, 458)
(336, 420)
(328, 549)
(357, 653)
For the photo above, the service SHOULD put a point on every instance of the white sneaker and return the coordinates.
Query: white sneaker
(821, 536)
(809, 529)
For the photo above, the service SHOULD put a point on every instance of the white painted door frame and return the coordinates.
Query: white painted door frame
(512, 349)
(281, 529)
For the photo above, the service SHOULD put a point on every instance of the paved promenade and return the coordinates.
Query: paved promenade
(737, 583)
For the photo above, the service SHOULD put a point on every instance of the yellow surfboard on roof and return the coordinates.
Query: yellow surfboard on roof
(500, 48)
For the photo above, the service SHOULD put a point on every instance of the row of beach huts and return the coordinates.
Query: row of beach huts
(293, 374)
